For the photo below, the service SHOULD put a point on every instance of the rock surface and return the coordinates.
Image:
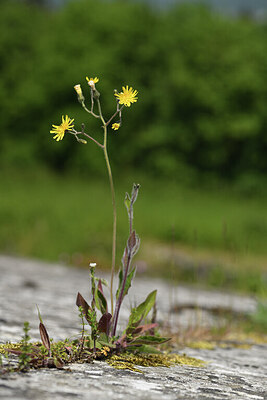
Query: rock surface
(231, 373)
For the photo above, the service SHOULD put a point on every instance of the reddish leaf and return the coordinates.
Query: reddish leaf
(104, 323)
(44, 336)
(100, 287)
(80, 302)
(143, 328)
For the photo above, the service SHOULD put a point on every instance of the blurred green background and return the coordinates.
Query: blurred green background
(196, 140)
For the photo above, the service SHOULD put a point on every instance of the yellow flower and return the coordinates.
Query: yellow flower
(127, 96)
(60, 130)
(116, 126)
(92, 81)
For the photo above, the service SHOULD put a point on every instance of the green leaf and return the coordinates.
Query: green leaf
(147, 339)
(100, 301)
(140, 312)
(144, 348)
(128, 282)
(39, 314)
(127, 201)
(120, 276)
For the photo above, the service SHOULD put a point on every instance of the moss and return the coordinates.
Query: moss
(123, 361)
(129, 361)
(202, 344)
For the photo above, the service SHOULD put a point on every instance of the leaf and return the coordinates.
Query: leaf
(39, 314)
(133, 243)
(143, 328)
(104, 323)
(140, 312)
(127, 201)
(100, 300)
(44, 336)
(128, 282)
(144, 348)
(120, 276)
(80, 302)
(147, 339)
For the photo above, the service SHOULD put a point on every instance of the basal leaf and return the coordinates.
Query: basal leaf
(147, 339)
(44, 336)
(144, 348)
(140, 312)
(100, 300)
(139, 330)
(80, 302)
(104, 323)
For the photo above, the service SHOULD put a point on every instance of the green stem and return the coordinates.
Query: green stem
(90, 112)
(113, 205)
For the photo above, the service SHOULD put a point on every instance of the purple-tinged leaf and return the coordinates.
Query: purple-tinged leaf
(104, 323)
(133, 243)
(44, 336)
(143, 328)
(80, 302)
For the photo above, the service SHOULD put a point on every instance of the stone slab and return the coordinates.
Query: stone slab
(230, 373)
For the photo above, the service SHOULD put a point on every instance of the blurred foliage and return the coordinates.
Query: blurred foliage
(201, 79)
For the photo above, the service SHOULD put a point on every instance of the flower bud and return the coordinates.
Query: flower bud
(82, 141)
(79, 92)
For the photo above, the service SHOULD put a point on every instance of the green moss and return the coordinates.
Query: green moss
(129, 361)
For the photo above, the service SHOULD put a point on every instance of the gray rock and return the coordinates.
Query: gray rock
(230, 373)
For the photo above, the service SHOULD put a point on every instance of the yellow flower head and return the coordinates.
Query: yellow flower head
(92, 81)
(127, 96)
(115, 126)
(60, 130)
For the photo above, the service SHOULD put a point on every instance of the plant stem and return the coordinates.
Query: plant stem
(90, 112)
(114, 115)
(113, 205)
(119, 301)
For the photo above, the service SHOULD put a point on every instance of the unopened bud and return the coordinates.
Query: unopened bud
(79, 92)
(82, 141)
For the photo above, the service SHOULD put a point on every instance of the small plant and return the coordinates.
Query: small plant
(102, 342)
(104, 331)
(24, 357)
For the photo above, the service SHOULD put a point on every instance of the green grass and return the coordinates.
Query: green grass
(56, 217)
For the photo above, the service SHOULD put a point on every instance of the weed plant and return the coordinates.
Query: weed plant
(103, 341)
